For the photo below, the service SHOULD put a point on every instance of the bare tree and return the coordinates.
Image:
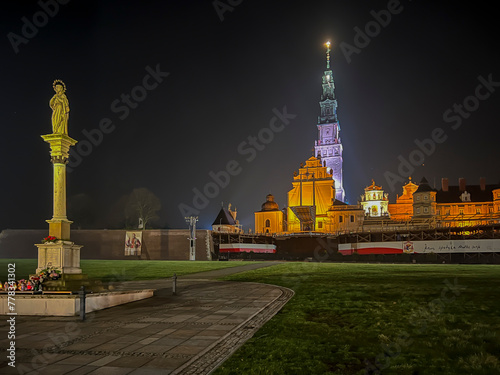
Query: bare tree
(143, 205)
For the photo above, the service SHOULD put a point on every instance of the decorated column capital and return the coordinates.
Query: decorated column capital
(59, 146)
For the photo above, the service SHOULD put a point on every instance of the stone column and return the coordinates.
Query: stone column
(62, 254)
(59, 225)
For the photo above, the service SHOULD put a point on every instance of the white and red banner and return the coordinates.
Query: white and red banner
(398, 247)
(247, 248)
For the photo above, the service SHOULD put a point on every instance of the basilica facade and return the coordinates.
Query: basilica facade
(312, 205)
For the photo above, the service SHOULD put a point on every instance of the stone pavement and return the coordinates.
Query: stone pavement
(190, 333)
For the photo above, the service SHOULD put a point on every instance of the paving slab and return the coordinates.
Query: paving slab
(192, 332)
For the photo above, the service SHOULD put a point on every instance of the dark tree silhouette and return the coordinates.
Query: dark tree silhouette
(142, 204)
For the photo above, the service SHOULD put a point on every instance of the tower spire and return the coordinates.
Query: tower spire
(328, 146)
(327, 44)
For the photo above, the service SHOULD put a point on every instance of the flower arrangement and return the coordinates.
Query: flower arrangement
(32, 285)
(49, 273)
(35, 283)
(49, 239)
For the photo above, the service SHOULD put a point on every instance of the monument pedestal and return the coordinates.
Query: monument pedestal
(73, 283)
(62, 255)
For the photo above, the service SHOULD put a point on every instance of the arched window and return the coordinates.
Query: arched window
(268, 223)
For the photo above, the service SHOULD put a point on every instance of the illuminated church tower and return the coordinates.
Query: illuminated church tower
(328, 147)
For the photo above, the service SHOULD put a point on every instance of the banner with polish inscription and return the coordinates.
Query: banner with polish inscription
(397, 247)
(457, 246)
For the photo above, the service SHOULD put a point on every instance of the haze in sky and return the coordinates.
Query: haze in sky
(167, 94)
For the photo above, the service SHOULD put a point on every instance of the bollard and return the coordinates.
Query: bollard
(82, 302)
(174, 285)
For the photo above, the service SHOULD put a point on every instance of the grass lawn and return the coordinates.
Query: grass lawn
(123, 270)
(377, 318)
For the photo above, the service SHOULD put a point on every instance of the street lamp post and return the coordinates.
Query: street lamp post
(191, 220)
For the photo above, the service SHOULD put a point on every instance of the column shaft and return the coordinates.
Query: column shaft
(59, 191)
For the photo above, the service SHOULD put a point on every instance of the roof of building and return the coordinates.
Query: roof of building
(409, 188)
(424, 186)
(342, 206)
(453, 195)
(270, 204)
(224, 218)
(339, 203)
(373, 187)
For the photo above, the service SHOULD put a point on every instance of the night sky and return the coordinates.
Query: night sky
(228, 74)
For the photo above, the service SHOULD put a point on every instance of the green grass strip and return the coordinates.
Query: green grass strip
(377, 318)
(123, 270)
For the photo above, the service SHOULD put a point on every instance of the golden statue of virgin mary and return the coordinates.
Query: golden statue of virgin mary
(60, 108)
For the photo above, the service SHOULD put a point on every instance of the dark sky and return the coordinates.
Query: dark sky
(225, 78)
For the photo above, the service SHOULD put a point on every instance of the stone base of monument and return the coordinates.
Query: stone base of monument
(62, 255)
(73, 283)
(47, 304)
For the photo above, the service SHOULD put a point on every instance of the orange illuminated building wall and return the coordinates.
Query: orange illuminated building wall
(402, 210)
(310, 198)
(312, 206)
(465, 205)
(460, 205)
(269, 220)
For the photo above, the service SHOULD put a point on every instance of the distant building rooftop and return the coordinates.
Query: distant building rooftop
(224, 218)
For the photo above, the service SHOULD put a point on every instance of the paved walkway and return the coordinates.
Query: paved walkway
(190, 333)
